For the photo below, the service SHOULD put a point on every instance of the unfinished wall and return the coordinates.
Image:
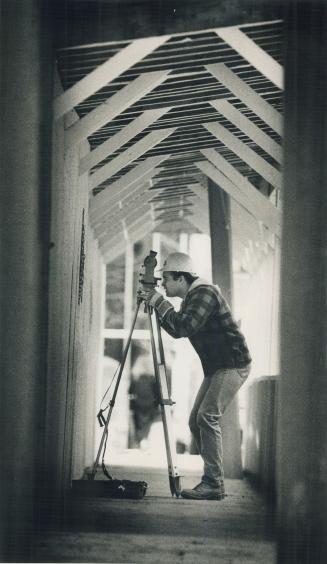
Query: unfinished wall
(256, 299)
(256, 255)
(74, 319)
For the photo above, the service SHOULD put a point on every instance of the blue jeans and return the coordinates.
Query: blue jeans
(214, 395)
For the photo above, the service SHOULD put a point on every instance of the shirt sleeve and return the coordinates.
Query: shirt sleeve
(193, 314)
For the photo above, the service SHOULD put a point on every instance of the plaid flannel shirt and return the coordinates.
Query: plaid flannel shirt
(205, 318)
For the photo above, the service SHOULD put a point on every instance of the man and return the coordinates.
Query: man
(205, 318)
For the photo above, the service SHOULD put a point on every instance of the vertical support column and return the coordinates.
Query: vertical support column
(129, 308)
(220, 224)
(302, 441)
(25, 153)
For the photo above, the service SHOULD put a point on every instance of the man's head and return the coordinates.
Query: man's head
(178, 274)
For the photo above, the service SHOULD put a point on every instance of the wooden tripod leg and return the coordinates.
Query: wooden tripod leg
(166, 403)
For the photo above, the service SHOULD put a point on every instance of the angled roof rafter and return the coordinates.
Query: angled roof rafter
(137, 150)
(249, 128)
(244, 152)
(121, 201)
(226, 176)
(105, 73)
(250, 51)
(119, 213)
(116, 104)
(215, 98)
(247, 95)
(119, 139)
(122, 228)
(145, 170)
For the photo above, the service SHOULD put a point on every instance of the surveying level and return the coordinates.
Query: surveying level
(147, 280)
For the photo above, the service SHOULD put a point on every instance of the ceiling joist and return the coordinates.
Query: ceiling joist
(256, 56)
(120, 202)
(128, 216)
(222, 173)
(114, 106)
(123, 229)
(251, 130)
(134, 152)
(118, 213)
(143, 171)
(130, 237)
(172, 102)
(244, 152)
(105, 73)
(119, 139)
(223, 182)
(247, 95)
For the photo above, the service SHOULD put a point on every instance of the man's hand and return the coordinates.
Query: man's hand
(150, 296)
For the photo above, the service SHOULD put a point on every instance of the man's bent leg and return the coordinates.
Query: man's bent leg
(223, 386)
(194, 427)
(219, 393)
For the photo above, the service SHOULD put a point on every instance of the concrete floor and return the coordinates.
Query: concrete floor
(161, 529)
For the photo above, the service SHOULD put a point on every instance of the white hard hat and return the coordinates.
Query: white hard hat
(178, 262)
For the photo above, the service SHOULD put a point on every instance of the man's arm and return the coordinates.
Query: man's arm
(192, 316)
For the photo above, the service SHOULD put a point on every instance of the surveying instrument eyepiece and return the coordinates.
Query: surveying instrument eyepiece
(147, 280)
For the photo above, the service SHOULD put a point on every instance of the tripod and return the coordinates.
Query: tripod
(164, 398)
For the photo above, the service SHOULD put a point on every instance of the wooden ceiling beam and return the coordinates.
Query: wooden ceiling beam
(119, 203)
(247, 95)
(115, 105)
(119, 139)
(241, 182)
(118, 198)
(122, 231)
(244, 152)
(131, 154)
(131, 237)
(117, 214)
(252, 53)
(143, 171)
(128, 217)
(245, 194)
(105, 73)
(252, 131)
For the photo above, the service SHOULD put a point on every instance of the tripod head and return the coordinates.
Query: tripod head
(147, 279)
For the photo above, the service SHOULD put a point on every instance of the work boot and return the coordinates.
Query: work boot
(205, 491)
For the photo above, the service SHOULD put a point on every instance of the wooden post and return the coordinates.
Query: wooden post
(25, 152)
(302, 442)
